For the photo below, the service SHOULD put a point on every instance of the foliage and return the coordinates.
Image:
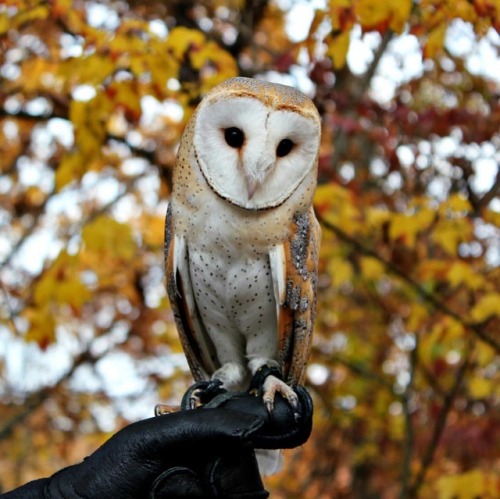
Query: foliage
(405, 362)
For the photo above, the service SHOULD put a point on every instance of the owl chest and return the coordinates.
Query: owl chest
(229, 263)
(230, 285)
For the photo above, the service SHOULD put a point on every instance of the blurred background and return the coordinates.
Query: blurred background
(405, 364)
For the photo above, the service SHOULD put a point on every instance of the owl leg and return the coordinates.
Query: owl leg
(233, 376)
(230, 349)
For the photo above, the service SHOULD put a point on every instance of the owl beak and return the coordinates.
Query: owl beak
(252, 184)
(255, 177)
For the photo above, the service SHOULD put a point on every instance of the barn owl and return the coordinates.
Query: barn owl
(241, 238)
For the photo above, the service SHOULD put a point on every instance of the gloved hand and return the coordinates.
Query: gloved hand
(283, 428)
(206, 452)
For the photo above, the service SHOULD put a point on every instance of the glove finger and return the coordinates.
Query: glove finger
(188, 430)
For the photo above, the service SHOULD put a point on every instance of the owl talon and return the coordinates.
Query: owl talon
(269, 405)
(201, 393)
(194, 401)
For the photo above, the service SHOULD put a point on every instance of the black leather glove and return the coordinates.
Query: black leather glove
(206, 452)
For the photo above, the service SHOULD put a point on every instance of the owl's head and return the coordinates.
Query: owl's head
(255, 142)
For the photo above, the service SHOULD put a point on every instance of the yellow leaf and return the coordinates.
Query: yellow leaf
(456, 204)
(61, 284)
(340, 271)
(107, 237)
(377, 16)
(152, 230)
(433, 270)
(486, 307)
(31, 13)
(39, 74)
(91, 70)
(338, 205)
(454, 329)
(182, 39)
(4, 23)
(449, 233)
(469, 485)
(462, 273)
(418, 314)
(337, 48)
(406, 227)
(72, 167)
(484, 354)
(435, 41)
(401, 10)
(371, 268)
(160, 64)
(338, 10)
(125, 95)
(480, 388)
(90, 121)
(371, 14)
(492, 217)
(42, 326)
(376, 217)
(72, 292)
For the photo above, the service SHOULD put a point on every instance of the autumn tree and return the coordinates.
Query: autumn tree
(405, 364)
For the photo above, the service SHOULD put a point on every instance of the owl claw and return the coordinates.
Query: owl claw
(194, 400)
(269, 405)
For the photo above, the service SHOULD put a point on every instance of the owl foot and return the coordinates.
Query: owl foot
(201, 393)
(273, 385)
(267, 382)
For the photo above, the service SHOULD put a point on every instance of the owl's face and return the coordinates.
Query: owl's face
(255, 142)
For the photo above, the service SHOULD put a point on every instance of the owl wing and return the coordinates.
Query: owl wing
(294, 267)
(197, 347)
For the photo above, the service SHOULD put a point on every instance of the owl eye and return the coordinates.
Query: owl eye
(234, 137)
(284, 147)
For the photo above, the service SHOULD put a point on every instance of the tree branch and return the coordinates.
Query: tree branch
(361, 370)
(340, 140)
(409, 430)
(35, 400)
(430, 452)
(28, 232)
(493, 192)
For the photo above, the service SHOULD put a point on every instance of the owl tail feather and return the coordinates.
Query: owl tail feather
(270, 461)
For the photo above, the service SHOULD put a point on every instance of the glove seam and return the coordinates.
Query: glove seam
(59, 490)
